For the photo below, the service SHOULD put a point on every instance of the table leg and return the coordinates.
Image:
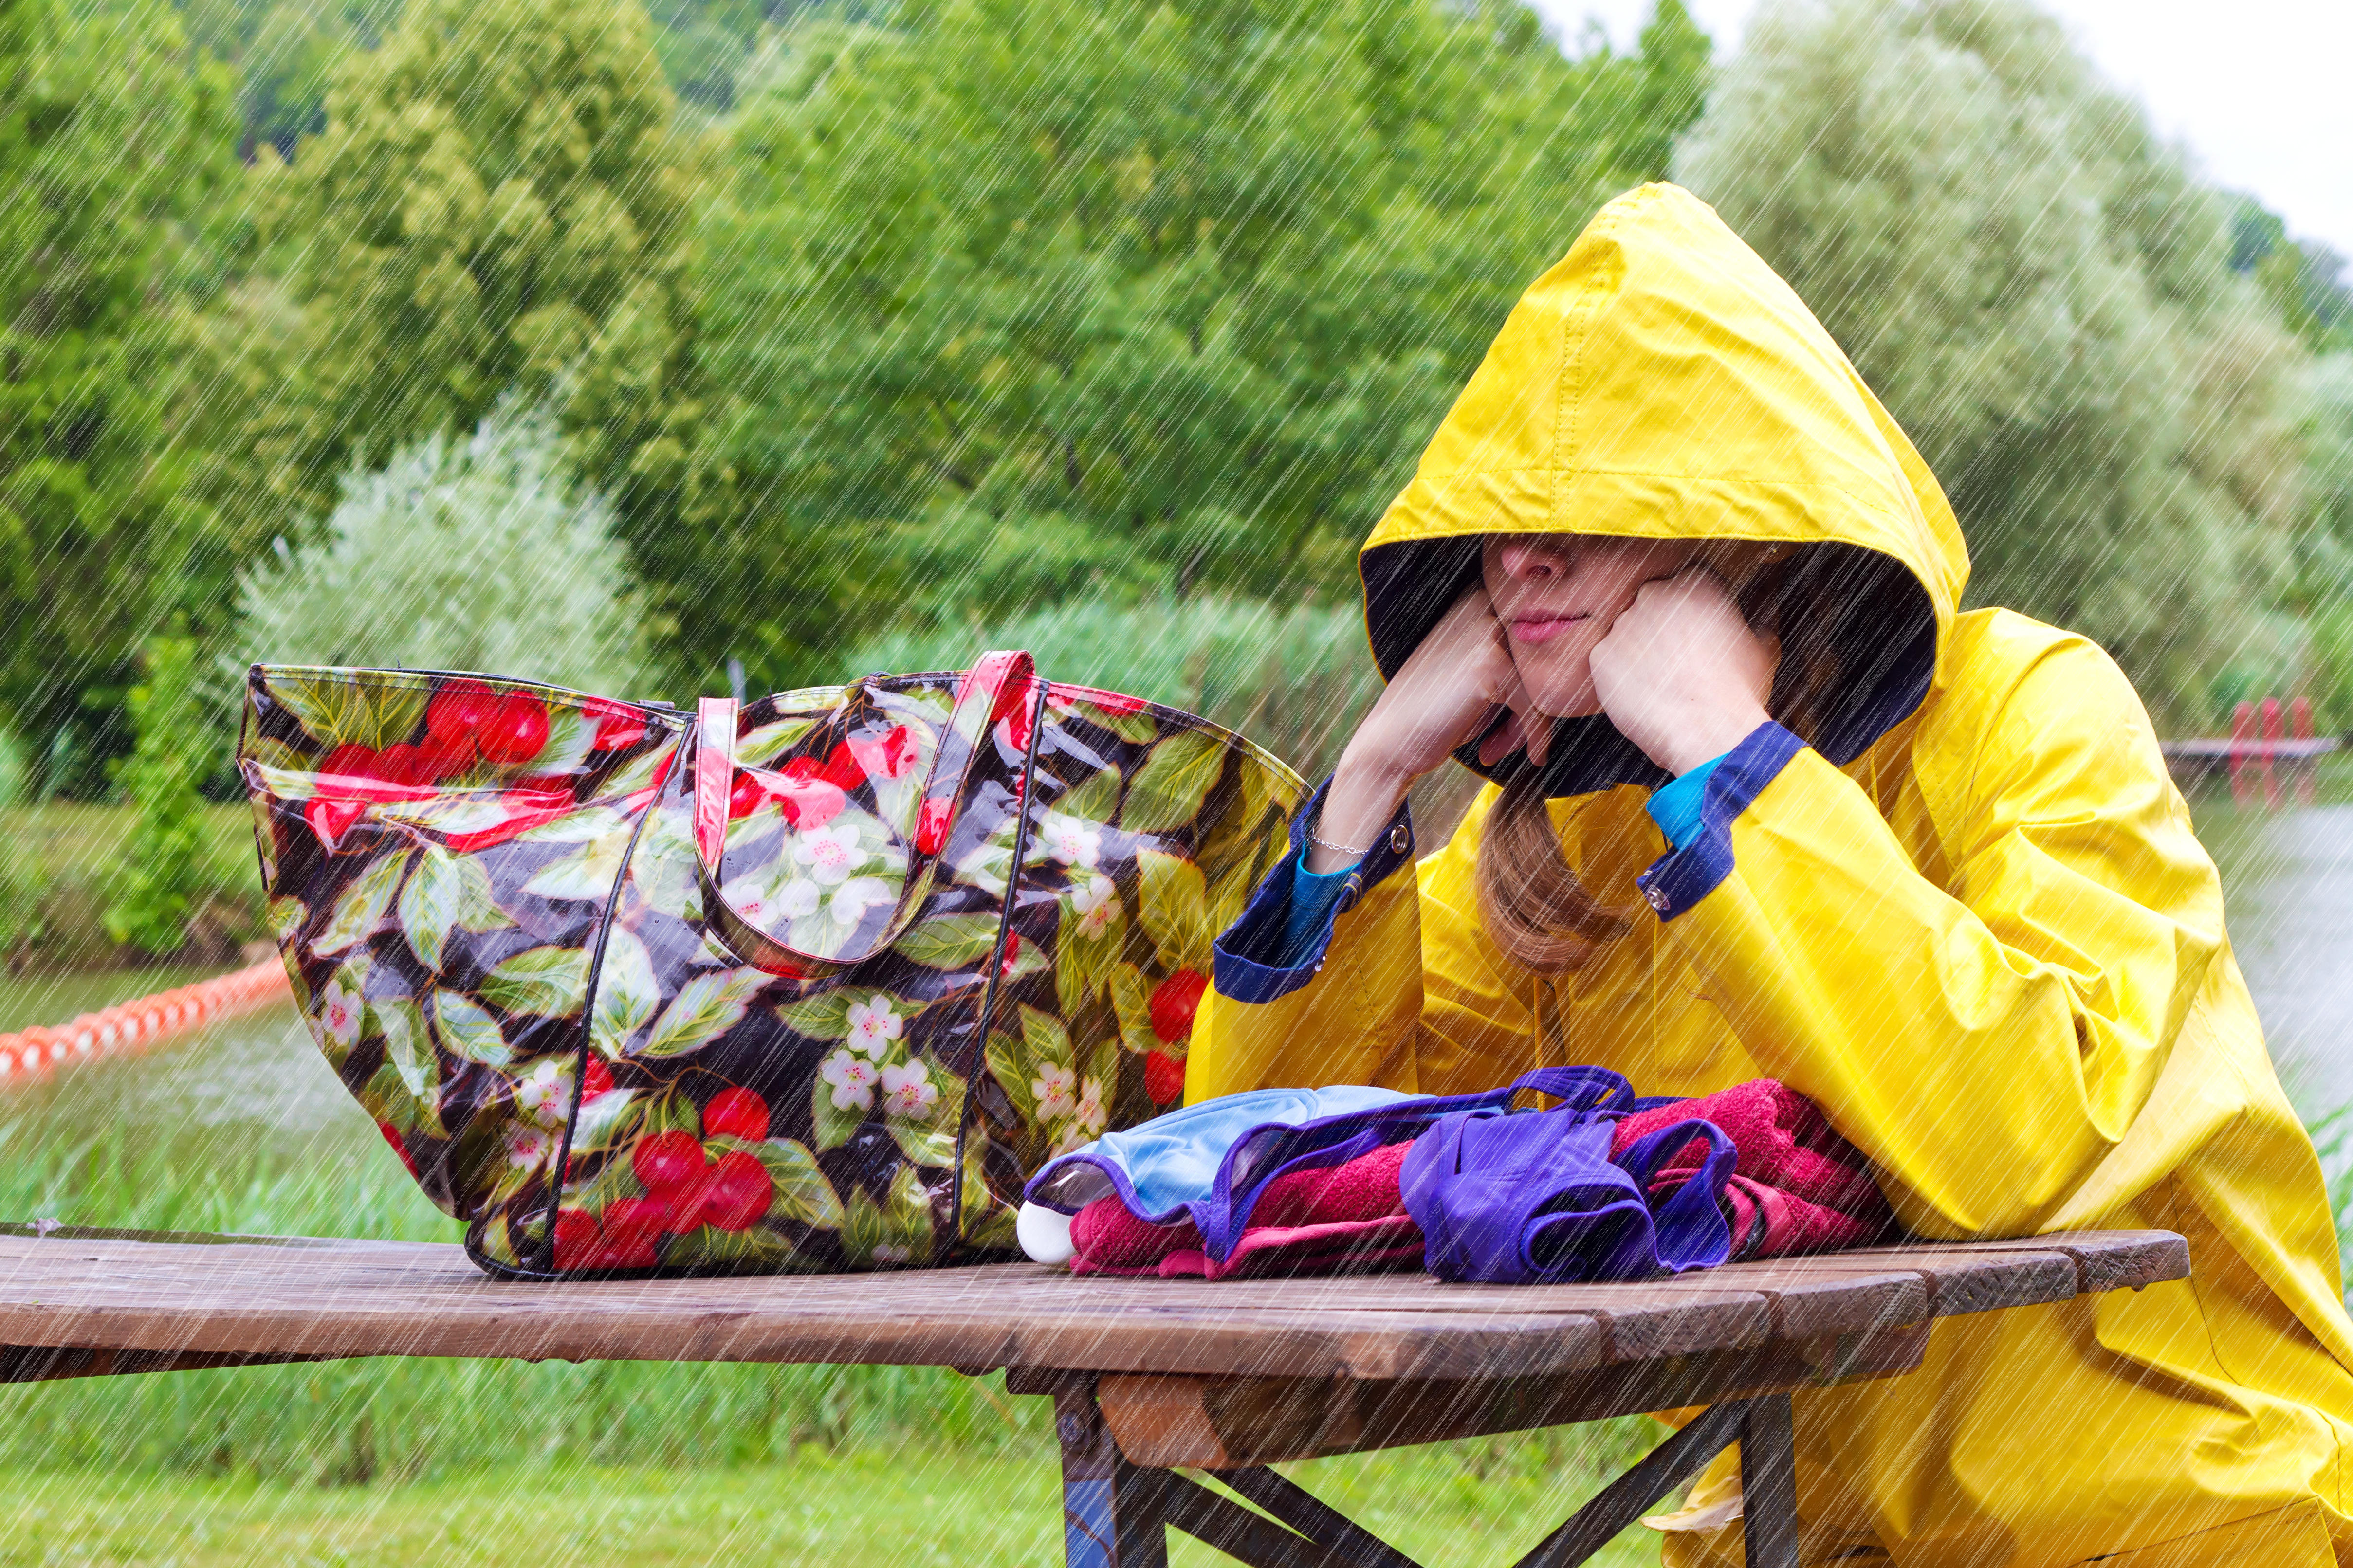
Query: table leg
(1114, 1512)
(1769, 1482)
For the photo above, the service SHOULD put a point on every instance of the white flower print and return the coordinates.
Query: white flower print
(545, 1094)
(1072, 1139)
(340, 1012)
(908, 1091)
(1073, 841)
(1089, 1112)
(799, 899)
(748, 897)
(831, 853)
(1055, 1090)
(1096, 903)
(527, 1144)
(853, 1080)
(873, 1026)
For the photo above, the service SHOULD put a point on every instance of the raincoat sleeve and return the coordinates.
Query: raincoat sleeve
(1358, 1006)
(1987, 1029)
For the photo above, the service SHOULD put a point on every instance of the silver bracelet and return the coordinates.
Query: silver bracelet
(1319, 842)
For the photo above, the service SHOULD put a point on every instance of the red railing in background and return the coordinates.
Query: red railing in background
(128, 1028)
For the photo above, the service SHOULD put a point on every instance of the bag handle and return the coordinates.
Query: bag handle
(999, 685)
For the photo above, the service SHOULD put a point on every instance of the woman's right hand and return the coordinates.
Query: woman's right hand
(1444, 694)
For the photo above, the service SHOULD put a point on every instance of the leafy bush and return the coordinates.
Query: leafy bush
(1294, 680)
(460, 554)
(164, 873)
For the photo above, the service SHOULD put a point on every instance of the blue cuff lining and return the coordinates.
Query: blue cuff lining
(1312, 894)
(1256, 960)
(1690, 872)
(1675, 804)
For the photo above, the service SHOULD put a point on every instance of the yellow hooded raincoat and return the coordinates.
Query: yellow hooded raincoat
(1970, 922)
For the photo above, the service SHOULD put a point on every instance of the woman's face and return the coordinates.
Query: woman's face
(1558, 595)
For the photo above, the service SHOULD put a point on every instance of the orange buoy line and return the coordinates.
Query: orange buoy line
(128, 1028)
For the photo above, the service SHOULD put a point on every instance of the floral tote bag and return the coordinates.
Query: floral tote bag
(815, 982)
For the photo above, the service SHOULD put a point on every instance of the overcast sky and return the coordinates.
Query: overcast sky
(2257, 89)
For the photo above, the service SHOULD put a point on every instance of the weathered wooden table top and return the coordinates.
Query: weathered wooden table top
(302, 1297)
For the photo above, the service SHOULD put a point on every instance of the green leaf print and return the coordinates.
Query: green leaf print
(608, 1121)
(834, 1123)
(705, 1008)
(802, 1192)
(465, 1030)
(449, 892)
(1093, 800)
(1008, 1063)
(1173, 782)
(931, 1139)
(757, 748)
(577, 827)
(405, 1047)
(551, 982)
(363, 906)
(338, 709)
(1131, 998)
(824, 1017)
(1175, 908)
(890, 1235)
(627, 993)
(588, 875)
(950, 942)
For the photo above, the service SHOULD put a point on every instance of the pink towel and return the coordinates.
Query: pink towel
(1797, 1187)
(1344, 1217)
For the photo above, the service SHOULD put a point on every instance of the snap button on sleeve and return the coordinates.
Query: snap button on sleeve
(1399, 839)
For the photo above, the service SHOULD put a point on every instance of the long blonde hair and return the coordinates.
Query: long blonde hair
(1534, 905)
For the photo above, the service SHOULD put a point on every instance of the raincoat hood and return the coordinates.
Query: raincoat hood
(1661, 382)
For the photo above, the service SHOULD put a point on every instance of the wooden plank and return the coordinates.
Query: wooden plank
(1227, 1422)
(317, 1299)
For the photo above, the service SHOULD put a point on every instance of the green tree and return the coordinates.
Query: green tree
(113, 142)
(164, 874)
(498, 202)
(2043, 297)
(1016, 299)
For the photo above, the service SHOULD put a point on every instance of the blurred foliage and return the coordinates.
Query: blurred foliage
(285, 53)
(2305, 281)
(1014, 300)
(475, 554)
(1294, 680)
(157, 901)
(2043, 296)
(498, 203)
(98, 254)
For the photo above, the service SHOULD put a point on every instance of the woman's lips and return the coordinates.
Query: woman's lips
(1542, 628)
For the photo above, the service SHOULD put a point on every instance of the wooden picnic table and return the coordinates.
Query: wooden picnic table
(1149, 1377)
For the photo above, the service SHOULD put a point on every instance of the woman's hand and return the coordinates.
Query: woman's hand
(1680, 674)
(1445, 693)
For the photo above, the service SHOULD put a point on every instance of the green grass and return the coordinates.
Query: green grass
(882, 1505)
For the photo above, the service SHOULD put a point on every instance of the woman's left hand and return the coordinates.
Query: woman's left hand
(1680, 674)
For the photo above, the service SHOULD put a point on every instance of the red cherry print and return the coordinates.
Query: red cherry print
(458, 710)
(841, 770)
(1109, 701)
(1012, 954)
(1174, 1002)
(617, 726)
(576, 1238)
(735, 1113)
(888, 756)
(596, 1078)
(1164, 1077)
(403, 763)
(667, 1162)
(632, 1220)
(349, 763)
(811, 800)
(739, 1191)
(399, 1144)
(515, 732)
(746, 796)
(627, 1254)
(330, 819)
(1017, 705)
(931, 823)
(443, 758)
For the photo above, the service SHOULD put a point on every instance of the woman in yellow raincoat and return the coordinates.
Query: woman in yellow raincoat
(1924, 866)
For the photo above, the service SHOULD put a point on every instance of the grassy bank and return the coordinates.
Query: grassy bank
(60, 867)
